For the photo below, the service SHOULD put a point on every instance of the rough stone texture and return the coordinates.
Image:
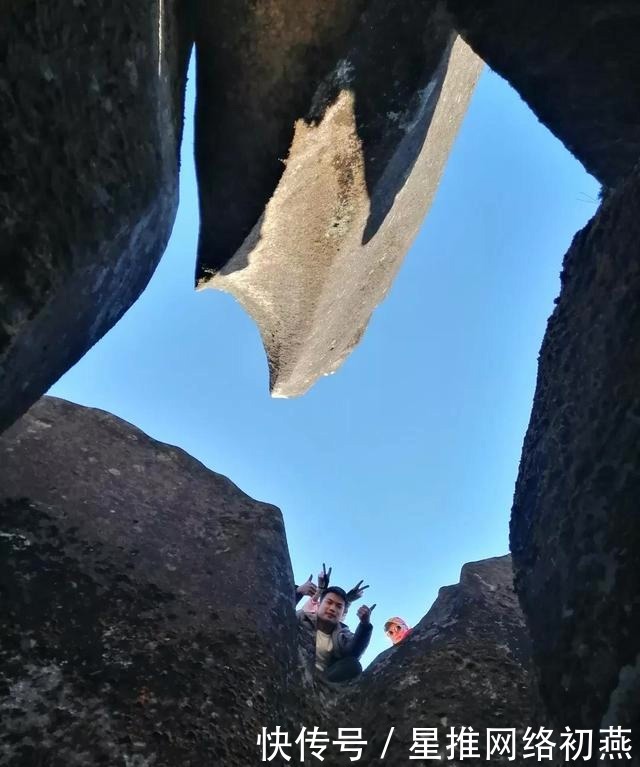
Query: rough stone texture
(91, 103)
(258, 65)
(576, 63)
(465, 664)
(146, 615)
(361, 172)
(333, 116)
(574, 530)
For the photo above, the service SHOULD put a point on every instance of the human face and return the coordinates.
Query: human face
(395, 632)
(331, 609)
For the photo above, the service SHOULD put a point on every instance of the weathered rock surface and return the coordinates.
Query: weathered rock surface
(146, 602)
(148, 616)
(322, 130)
(258, 66)
(310, 244)
(576, 63)
(575, 536)
(466, 664)
(91, 104)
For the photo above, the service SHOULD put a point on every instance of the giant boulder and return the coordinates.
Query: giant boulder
(146, 601)
(314, 196)
(91, 104)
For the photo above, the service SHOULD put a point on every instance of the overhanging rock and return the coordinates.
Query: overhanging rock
(258, 66)
(360, 174)
(349, 105)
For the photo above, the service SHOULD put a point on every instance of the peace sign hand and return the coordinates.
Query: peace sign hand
(356, 592)
(323, 577)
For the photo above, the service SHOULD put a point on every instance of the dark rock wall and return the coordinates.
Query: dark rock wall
(575, 536)
(147, 602)
(576, 63)
(466, 664)
(91, 104)
(574, 532)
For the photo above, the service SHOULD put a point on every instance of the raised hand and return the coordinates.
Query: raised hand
(364, 613)
(308, 588)
(356, 592)
(323, 577)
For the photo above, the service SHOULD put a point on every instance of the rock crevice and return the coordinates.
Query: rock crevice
(148, 615)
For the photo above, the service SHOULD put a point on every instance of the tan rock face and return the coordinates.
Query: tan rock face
(360, 175)
(258, 66)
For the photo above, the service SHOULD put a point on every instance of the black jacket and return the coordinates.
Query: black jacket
(345, 643)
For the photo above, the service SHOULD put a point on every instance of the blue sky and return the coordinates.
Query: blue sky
(400, 467)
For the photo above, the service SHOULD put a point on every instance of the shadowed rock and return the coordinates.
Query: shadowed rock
(361, 171)
(91, 103)
(576, 63)
(146, 601)
(466, 664)
(575, 536)
(148, 616)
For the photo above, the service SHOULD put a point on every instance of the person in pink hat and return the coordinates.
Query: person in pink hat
(396, 629)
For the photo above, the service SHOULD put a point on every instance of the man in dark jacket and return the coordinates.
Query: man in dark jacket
(337, 650)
